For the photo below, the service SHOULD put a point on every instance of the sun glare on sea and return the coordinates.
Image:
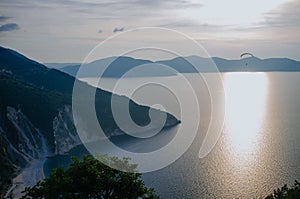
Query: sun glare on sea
(245, 107)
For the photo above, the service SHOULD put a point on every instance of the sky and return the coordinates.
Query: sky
(67, 30)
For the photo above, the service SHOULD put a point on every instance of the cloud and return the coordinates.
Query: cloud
(280, 23)
(9, 27)
(100, 31)
(119, 29)
(287, 15)
(182, 4)
(4, 18)
(121, 8)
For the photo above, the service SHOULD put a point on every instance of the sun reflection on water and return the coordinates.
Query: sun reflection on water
(245, 107)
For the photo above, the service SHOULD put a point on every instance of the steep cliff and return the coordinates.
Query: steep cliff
(36, 117)
(64, 131)
(22, 140)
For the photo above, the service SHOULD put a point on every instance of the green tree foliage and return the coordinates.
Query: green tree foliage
(286, 193)
(90, 178)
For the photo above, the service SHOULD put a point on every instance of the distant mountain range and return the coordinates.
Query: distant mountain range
(118, 66)
(36, 117)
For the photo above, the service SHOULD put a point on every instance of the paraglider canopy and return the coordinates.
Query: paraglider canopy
(246, 55)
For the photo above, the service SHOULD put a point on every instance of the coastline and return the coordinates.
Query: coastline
(28, 177)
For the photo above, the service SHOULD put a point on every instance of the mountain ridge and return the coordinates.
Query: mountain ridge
(191, 64)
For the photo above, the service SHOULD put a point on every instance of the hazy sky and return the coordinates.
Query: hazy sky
(66, 30)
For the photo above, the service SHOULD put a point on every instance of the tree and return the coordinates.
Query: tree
(286, 193)
(90, 178)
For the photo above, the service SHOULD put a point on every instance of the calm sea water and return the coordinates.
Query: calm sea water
(258, 149)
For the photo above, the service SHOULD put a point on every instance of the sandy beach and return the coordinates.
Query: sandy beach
(28, 177)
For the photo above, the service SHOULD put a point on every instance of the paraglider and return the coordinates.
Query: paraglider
(244, 55)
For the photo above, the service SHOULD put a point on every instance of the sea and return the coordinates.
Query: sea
(253, 116)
